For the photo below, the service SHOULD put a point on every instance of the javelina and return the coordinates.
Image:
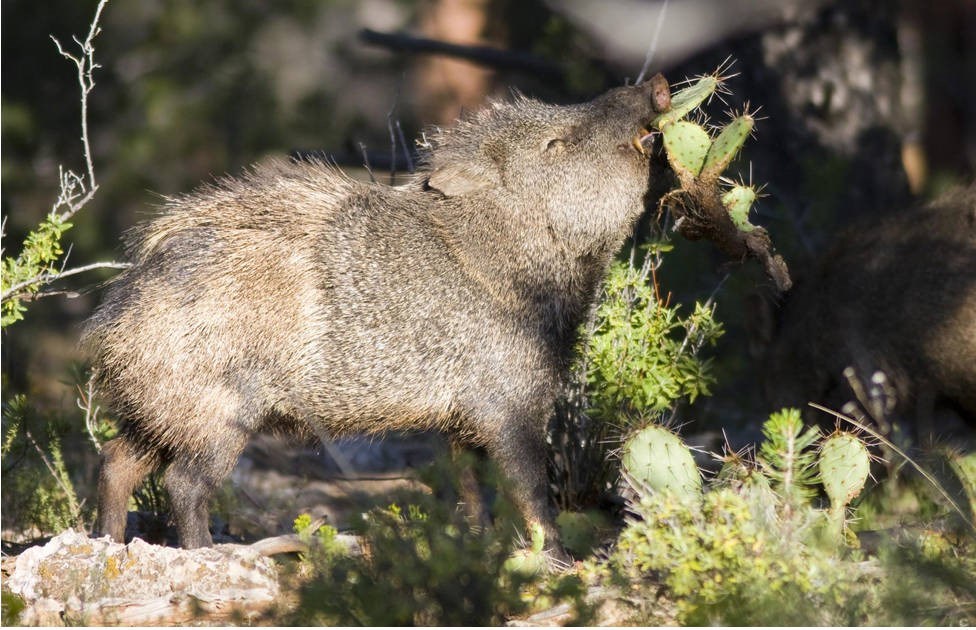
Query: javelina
(896, 295)
(294, 297)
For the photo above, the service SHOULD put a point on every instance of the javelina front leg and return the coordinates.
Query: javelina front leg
(191, 481)
(521, 452)
(123, 468)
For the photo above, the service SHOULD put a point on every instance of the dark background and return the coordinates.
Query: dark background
(852, 93)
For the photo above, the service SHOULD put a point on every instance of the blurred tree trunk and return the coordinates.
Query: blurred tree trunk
(443, 86)
(830, 85)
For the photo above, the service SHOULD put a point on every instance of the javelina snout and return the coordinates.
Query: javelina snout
(294, 297)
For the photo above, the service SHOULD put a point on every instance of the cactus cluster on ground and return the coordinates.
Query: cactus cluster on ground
(793, 465)
(768, 539)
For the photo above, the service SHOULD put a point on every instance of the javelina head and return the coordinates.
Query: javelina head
(579, 170)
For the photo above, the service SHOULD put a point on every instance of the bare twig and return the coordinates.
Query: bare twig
(85, 64)
(46, 277)
(406, 147)
(74, 191)
(85, 400)
(393, 139)
(68, 492)
(369, 169)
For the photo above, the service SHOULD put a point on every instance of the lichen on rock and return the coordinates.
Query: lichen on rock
(77, 579)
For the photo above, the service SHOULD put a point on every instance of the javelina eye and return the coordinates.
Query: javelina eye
(555, 146)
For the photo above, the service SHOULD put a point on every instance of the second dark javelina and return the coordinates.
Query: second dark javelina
(296, 298)
(896, 295)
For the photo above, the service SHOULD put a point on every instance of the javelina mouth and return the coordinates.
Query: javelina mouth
(643, 140)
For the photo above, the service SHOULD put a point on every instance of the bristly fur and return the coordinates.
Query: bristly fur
(294, 297)
(896, 295)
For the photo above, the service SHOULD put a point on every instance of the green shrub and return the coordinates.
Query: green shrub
(757, 548)
(637, 358)
(424, 563)
(723, 566)
(641, 354)
(24, 275)
(38, 492)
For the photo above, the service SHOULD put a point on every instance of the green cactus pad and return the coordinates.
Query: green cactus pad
(580, 531)
(687, 145)
(525, 562)
(844, 464)
(964, 466)
(726, 145)
(738, 201)
(656, 458)
(530, 561)
(683, 102)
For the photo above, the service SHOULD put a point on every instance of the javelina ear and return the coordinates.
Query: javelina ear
(454, 180)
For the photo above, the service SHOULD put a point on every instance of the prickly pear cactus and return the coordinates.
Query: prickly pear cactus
(964, 466)
(695, 156)
(844, 464)
(685, 101)
(738, 201)
(656, 458)
(707, 204)
(532, 560)
(687, 145)
(724, 148)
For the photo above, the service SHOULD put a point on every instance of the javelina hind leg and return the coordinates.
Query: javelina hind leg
(123, 468)
(191, 481)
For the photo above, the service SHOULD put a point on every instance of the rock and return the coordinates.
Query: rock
(75, 579)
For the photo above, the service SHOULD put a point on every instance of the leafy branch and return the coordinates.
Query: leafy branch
(23, 277)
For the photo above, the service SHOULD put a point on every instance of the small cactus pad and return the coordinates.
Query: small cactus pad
(844, 464)
(687, 145)
(580, 531)
(726, 145)
(964, 466)
(532, 560)
(657, 458)
(738, 201)
(683, 102)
